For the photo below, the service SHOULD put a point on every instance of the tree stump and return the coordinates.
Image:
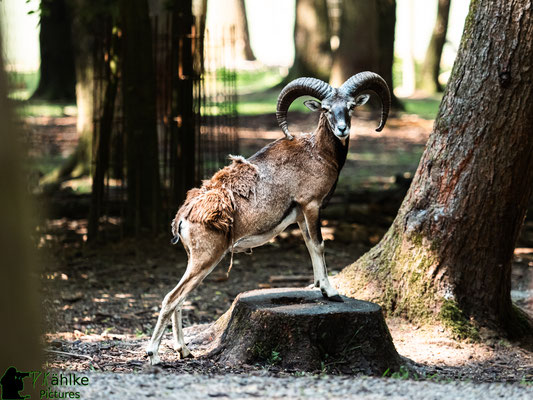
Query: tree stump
(298, 329)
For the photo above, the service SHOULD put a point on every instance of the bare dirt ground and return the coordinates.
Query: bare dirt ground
(100, 303)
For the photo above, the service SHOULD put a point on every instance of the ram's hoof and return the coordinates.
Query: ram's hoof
(154, 357)
(336, 298)
(183, 352)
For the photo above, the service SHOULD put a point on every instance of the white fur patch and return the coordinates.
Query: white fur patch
(239, 159)
(249, 242)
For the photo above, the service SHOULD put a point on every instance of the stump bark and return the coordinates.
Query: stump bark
(298, 329)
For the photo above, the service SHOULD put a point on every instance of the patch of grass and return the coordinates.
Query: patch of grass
(526, 382)
(426, 108)
(377, 169)
(403, 373)
(258, 92)
(265, 103)
(270, 356)
(22, 84)
(40, 108)
(252, 81)
(46, 164)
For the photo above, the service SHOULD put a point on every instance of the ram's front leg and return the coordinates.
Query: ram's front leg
(310, 227)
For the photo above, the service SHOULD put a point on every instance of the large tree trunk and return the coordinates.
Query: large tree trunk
(139, 105)
(20, 312)
(429, 79)
(312, 33)
(58, 80)
(366, 37)
(448, 253)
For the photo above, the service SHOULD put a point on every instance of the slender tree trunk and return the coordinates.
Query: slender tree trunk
(448, 254)
(139, 105)
(243, 23)
(312, 49)
(103, 149)
(183, 139)
(429, 79)
(78, 163)
(366, 41)
(227, 14)
(386, 35)
(58, 79)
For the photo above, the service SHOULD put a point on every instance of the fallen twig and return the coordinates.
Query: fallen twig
(65, 353)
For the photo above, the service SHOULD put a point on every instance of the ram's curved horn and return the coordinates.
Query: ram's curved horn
(297, 88)
(364, 81)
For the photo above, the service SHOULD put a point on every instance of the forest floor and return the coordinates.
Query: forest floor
(100, 303)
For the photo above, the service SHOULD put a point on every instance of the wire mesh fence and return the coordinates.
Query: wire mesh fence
(196, 108)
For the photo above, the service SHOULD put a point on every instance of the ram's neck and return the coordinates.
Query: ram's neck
(330, 147)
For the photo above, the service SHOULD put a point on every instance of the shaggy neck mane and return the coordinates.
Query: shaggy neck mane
(331, 147)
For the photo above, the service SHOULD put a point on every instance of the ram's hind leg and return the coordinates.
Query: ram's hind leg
(202, 260)
(177, 332)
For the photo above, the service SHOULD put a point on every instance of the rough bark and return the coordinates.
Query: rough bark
(103, 148)
(20, 336)
(429, 79)
(366, 41)
(312, 49)
(448, 254)
(299, 329)
(57, 77)
(139, 102)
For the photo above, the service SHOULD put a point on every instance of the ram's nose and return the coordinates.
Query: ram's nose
(342, 131)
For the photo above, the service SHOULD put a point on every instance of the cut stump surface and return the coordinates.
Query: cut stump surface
(298, 329)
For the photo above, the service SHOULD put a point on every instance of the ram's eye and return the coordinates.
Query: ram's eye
(327, 110)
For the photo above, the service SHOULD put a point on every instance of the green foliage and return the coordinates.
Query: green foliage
(267, 354)
(526, 382)
(403, 373)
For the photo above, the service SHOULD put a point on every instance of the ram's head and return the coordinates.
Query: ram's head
(336, 104)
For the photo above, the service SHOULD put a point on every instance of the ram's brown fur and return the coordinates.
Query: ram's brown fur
(213, 204)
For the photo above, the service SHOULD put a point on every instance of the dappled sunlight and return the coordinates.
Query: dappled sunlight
(432, 347)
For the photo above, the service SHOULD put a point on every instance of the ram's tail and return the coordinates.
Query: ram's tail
(176, 232)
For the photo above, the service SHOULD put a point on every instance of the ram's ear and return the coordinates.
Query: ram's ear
(361, 100)
(313, 105)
